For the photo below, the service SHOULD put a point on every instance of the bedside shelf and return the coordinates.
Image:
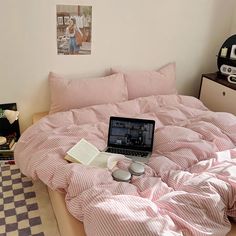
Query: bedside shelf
(217, 93)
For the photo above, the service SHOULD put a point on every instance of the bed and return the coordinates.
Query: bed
(189, 184)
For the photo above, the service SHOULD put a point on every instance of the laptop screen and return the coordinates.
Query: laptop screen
(130, 133)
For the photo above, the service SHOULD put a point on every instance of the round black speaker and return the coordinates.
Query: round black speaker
(227, 53)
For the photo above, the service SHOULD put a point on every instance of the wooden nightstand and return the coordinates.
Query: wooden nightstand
(217, 93)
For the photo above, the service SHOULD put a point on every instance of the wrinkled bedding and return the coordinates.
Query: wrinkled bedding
(189, 185)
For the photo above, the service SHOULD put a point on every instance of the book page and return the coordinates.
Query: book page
(101, 160)
(83, 152)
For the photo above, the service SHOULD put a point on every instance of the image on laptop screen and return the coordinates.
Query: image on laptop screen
(131, 133)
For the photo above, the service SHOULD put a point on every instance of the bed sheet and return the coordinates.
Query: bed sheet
(189, 185)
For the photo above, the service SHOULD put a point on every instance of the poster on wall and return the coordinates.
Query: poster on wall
(74, 29)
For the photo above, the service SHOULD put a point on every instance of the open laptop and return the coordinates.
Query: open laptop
(131, 137)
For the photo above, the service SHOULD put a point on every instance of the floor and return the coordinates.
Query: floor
(46, 212)
(233, 231)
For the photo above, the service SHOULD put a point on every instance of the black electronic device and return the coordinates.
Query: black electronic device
(6, 128)
(131, 137)
(226, 58)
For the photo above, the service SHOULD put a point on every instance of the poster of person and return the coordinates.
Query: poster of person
(74, 29)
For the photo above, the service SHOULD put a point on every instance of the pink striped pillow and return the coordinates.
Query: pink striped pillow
(69, 94)
(147, 83)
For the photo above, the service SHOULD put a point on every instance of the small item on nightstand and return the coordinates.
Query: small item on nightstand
(232, 79)
(3, 140)
(10, 162)
(226, 58)
(9, 142)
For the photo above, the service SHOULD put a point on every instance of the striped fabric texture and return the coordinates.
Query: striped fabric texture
(189, 185)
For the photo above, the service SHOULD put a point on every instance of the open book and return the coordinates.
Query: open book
(87, 154)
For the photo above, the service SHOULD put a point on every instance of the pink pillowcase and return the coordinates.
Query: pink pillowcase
(68, 94)
(147, 83)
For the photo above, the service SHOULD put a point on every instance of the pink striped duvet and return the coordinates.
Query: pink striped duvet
(189, 186)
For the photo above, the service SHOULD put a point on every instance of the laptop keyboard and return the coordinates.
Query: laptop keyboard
(127, 152)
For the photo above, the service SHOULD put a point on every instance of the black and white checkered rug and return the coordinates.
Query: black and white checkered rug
(19, 211)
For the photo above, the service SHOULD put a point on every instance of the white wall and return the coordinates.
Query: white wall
(233, 25)
(131, 34)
